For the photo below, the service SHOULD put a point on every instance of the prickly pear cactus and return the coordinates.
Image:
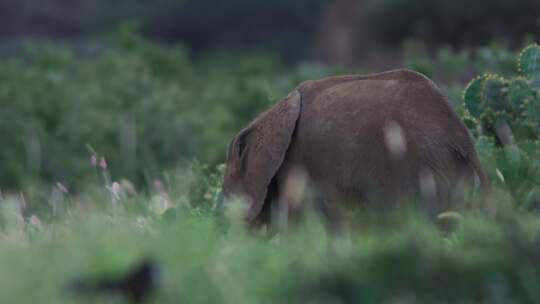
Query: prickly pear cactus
(529, 62)
(494, 93)
(519, 92)
(472, 96)
(493, 101)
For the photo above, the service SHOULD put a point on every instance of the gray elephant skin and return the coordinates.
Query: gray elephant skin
(356, 139)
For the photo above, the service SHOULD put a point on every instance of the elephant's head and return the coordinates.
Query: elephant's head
(257, 152)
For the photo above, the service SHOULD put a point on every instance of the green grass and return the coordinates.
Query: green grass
(205, 258)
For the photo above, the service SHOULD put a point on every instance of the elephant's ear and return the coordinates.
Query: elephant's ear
(260, 149)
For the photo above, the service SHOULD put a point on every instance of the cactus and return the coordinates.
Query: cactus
(519, 92)
(529, 62)
(494, 93)
(493, 100)
(472, 96)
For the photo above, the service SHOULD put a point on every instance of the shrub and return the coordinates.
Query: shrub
(145, 107)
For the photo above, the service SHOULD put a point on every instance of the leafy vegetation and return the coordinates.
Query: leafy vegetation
(112, 156)
(143, 107)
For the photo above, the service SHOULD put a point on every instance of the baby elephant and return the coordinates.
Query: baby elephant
(355, 139)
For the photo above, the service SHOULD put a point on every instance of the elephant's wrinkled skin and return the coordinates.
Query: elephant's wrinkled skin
(356, 138)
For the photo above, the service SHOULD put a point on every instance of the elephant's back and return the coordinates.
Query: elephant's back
(347, 124)
(396, 88)
(367, 103)
(311, 89)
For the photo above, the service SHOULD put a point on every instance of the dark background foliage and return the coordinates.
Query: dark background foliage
(458, 23)
(289, 27)
(282, 25)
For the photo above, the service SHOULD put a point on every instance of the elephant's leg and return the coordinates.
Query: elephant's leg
(289, 187)
(264, 220)
(279, 215)
(434, 191)
(451, 179)
(463, 184)
(274, 216)
(329, 209)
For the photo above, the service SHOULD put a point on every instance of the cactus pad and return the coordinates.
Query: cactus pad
(519, 92)
(529, 62)
(472, 96)
(494, 93)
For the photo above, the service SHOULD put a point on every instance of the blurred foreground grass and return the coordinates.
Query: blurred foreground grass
(401, 259)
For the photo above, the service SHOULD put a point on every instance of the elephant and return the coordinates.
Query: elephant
(354, 138)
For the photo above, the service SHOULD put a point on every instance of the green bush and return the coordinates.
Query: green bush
(514, 169)
(144, 107)
(505, 110)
